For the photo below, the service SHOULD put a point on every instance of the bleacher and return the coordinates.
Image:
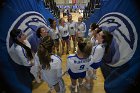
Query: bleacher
(90, 8)
(51, 6)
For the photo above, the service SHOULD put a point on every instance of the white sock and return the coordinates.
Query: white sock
(73, 86)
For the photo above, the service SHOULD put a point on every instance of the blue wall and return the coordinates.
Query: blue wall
(121, 69)
(12, 15)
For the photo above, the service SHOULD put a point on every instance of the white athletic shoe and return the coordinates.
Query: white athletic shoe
(87, 86)
(81, 85)
(74, 89)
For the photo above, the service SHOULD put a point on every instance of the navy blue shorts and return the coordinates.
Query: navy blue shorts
(65, 38)
(96, 65)
(77, 75)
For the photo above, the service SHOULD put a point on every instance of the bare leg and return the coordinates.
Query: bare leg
(80, 81)
(88, 79)
(67, 43)
(74, 42)
(74, 85)
(94, 74)
(57, 47)
(54, 49)
(70, 43)
(63, 45)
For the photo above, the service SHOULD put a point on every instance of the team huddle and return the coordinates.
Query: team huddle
(45, 62)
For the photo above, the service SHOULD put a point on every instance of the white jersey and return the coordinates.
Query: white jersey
(18, 54)
(97, 53)
(54, 33)
(81, 29)
(76, 64)
(72, 27)
(64, 30)
(52, 76)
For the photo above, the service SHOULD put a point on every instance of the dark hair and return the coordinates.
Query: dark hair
(94, 26)
(107, 39)
(38, 32)
(45, 51)
(14, 34)
(60, 20)
(99, 29)
(68, 17)
(85, 47)
(51, 22)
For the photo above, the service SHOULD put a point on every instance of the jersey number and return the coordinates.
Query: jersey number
(81, 67)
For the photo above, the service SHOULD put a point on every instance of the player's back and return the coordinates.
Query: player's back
(76, 64)
(51, 75)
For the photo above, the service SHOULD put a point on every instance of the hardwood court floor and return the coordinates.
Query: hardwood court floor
(98, 84)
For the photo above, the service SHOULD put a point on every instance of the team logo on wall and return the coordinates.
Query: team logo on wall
(124, 38)
(28, 23)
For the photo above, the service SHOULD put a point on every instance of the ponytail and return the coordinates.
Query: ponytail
(45, 51)
(14, 34)
(27, 49)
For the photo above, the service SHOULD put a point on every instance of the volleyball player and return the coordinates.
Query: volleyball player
(72, 30)
(63, 28)
(78, 63)
(104, 39)
(51, 69)
(21, 54)
(81, 28)
(55, 35)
